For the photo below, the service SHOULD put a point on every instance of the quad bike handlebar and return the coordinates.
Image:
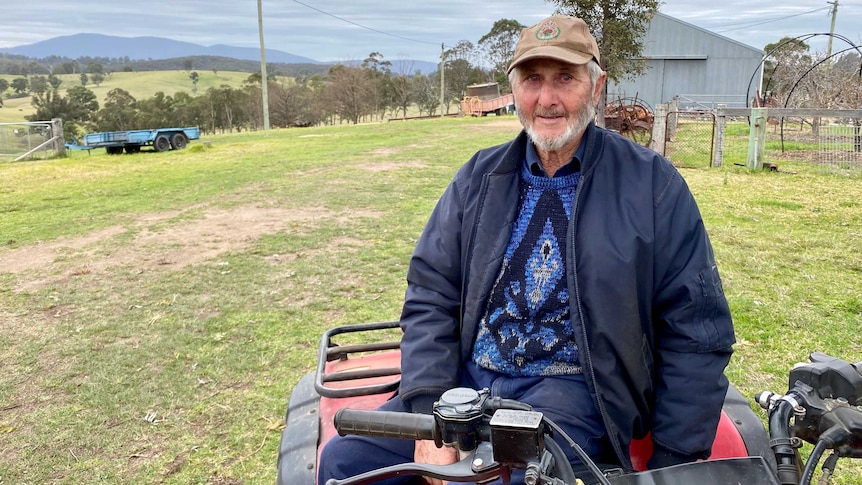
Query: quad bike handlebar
(386, 424)
(823, 406)
(500, 435)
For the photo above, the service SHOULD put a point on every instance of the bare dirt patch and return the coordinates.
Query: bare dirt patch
(388, 166)
(160, 242)
(506, 122)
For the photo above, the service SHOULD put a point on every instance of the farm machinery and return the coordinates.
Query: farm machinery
(632, 118)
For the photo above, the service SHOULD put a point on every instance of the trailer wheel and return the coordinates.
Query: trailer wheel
(114, 150)
(179, 141)
(133, 148)
(162, 143)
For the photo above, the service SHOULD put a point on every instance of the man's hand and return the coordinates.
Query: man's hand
(427, 452)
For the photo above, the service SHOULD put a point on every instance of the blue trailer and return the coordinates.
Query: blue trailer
(161, 139)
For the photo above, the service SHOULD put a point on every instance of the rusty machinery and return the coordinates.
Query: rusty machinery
(631, 117)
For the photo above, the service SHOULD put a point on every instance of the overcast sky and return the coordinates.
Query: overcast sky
(339, 30)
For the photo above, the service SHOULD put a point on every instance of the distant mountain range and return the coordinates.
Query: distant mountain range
(144, 48)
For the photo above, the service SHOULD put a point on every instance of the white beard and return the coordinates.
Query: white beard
(573, 130)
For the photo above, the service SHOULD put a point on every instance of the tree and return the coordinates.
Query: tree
(402, 86)
(95, 68)
(38, 85)
(119, 112)
(619, 27)
(291, 105)
(83, 103)
(194, 76)
(461, 71)
(70, 67)
(499, 47)
(348, 91)
(84, 79)
(49, 105)
(186, 110)
(226, 106)
(380, 76)
(4, 85)
(426, 94)
(785, 61)
(155, 112)
(75, 109)
(54, 81)
(20, 85)
(97, 78)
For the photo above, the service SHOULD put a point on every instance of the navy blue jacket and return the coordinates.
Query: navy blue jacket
(651, 320)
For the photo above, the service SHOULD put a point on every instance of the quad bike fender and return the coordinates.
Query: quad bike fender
(297, 454)
(740, 433)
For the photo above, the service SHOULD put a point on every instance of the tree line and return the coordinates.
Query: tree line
(373, 89)
(795, 77)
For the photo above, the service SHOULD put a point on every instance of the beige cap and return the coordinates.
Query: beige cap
(563, 38)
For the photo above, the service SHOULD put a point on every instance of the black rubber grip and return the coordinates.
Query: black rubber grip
(385, 424)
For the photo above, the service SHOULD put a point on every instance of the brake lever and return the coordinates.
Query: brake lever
(478, 466)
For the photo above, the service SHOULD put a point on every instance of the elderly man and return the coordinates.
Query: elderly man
(569, 269)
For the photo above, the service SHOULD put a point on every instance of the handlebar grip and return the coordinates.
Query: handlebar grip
(385, 424)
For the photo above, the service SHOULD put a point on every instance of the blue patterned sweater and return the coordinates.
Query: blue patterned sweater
(527, 328)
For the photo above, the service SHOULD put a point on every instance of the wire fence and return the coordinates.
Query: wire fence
(690, 138)
(703, 138)
(841, 145)
(824, 141)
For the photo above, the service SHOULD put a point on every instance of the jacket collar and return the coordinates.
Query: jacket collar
(517, 151)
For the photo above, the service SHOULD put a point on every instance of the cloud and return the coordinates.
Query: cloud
(391, 27)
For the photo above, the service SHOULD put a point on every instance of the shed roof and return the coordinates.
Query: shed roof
(754, 50)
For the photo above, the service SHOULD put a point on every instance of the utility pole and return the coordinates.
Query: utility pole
(263, 77)
(442, 70)
(832, 29)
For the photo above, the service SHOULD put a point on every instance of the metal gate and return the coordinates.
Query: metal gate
(35, 139)
(690, 138)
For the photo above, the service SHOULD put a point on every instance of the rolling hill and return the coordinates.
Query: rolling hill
(141, 48)
(152, 49)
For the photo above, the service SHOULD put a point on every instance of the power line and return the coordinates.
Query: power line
(761, 22)
(363, 26)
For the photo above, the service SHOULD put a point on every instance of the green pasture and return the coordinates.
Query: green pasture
(141, 85)
(156, 309)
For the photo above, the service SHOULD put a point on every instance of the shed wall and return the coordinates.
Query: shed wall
(701, 67)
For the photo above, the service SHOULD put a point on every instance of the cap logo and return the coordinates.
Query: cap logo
(548, 31)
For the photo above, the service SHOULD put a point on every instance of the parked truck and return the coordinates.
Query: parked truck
(161, 139)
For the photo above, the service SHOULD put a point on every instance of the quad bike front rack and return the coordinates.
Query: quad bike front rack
(363, 369)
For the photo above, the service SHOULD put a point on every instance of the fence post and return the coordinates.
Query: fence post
(756, 138)
(672, 119)
(59, 137)
(720, 125)
(658, 129)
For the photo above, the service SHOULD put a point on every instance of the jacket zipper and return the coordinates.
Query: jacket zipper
(588, 365)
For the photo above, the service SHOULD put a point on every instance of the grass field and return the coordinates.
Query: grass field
(156, 309)
(141, 85)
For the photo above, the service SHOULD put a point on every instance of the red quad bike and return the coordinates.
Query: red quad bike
(823, 407)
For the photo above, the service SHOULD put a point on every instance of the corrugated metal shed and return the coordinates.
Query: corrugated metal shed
(701, 67)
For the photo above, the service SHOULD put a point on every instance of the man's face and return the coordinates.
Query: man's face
(555, 101)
